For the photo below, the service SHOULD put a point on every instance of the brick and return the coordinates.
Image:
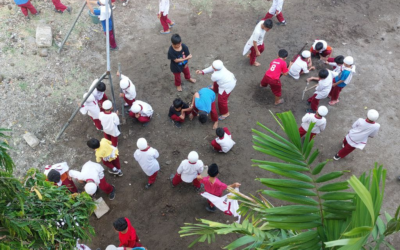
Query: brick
(31, 139)
(101, 208)
(44, 37)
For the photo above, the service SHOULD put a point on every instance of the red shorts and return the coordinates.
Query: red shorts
(275, 85)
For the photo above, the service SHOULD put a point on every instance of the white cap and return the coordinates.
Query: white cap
(322, 111)
(218, 64)
(90, 188)
(90, 98)
(111, 247)
(372, 115)
(124, 83)
(193, 157)
(306, 54)
(141, 144)
(348, 60)
(135, 108)
(107, 105)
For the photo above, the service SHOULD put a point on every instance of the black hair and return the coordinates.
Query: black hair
(54, 176)
(93, 143)
(283, 53)
(212, 170)
(176, 39)
(101, 87)
(178, 103)
(323, 73)
(319, 46)
(339, 59)
(220, 132)
(268, 24)
(120, 224)
(202, 117)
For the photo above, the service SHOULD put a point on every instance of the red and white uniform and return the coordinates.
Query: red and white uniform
(336, 68)
(360, 132)
(299, 66)
(324, 47)
(320, 123)
(130, 92)
(147, 110)
(257, 36)
(325, 86)
(91, 108)
(224, 78)
(189, 171)
(147, 160)
(226, 142)
(62, 168)
(110, 123)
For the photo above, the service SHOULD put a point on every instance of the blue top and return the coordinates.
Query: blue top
(18, 2)
(97, 13)
(343, 76)
(207, 97)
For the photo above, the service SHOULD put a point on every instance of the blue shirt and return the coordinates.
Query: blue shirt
(18, 2)
(343, 76)
(97, 13)
(207, 97)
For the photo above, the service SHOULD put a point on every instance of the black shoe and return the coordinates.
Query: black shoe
(310, 111)
(120, 173)
(69, 9)
(178, 124)
(58, 11)
(336, 157)
(116, 48)
(116, 172)
(170, 178)
(211, 209)
(111, 196)
(281, 23)
(148, 185)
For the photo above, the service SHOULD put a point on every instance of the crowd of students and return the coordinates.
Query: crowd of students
(203, 104)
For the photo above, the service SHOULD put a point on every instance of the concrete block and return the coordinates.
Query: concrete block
(31, 139)
(44, 37)
(101, 208)
(204, 173)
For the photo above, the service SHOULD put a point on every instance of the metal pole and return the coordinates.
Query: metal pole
(112, 91)
(108, 9)
(123, 100)
(76, 111)
(72, 27)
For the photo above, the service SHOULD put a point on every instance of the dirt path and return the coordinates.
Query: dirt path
(43, 100)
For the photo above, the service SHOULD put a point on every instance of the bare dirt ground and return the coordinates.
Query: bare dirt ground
(38, 94)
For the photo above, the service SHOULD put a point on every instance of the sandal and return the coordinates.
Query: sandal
(280, 102)
(221, 117)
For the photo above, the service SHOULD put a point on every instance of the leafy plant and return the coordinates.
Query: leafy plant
(34, 213)
(324, 213)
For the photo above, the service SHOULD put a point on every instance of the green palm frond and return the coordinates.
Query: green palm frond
(6, 162)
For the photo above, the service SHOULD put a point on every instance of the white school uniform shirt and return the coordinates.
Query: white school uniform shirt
(60, 167)
(338, 68)
(189, 171)
(91, 108)
(130, 92)
(103, 15)
(90, 171)
(147, 110)
(147, 160)
(258, 35)
(225, 79)
(360, 132)
(226, 143)
(110, 123)
(277, 5)
(224, 203)
(325, 85)
(298, 65)
(163, 7)
(324, 47)
(320, 123)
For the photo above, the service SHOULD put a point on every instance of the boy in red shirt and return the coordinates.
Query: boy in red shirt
(127, 234)
(277, 68)
(213, 185)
